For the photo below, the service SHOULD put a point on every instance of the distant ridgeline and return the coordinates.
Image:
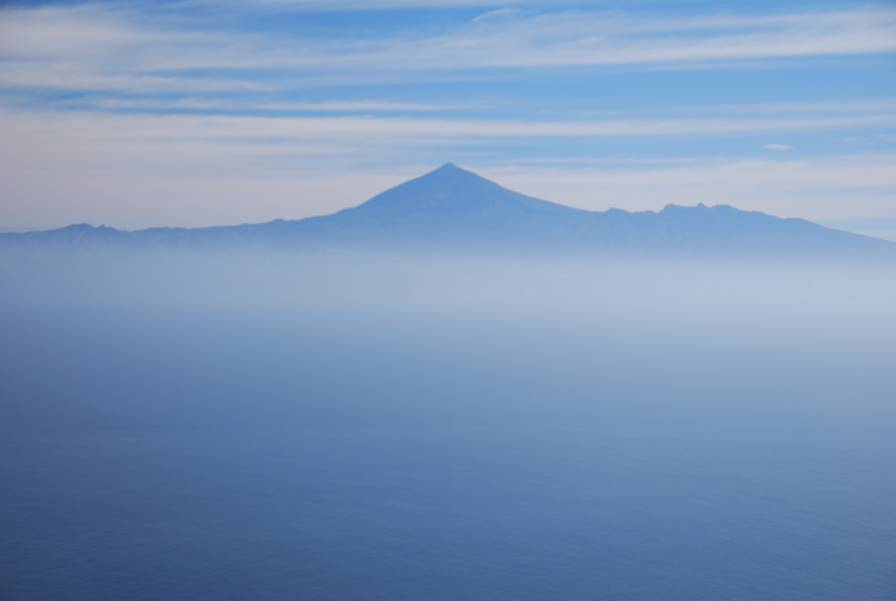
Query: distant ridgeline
(456, 211)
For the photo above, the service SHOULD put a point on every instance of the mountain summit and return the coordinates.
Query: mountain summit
(451, 209)
(450, 190)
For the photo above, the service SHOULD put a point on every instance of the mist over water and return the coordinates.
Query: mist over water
(270, 426)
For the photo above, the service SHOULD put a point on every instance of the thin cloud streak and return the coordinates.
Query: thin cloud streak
(228, 106)
(73, 78)
(350, 5)
(118, 50)
(29, 124)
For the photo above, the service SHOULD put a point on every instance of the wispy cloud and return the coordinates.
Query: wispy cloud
(347, 5)
(74, 78)
(258, 106)
(91, 46)
(498, 13)
(778, 147)
(579, 39)
(389, 129)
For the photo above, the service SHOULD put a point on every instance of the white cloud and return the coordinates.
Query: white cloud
(778, 147)
(74, 78)
(346, 5)
(382, 129)
(71, 32)
(219, 105)
(595, 38)
(498, 13)
(90, 45)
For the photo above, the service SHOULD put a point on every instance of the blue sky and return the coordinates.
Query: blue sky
(193, 112)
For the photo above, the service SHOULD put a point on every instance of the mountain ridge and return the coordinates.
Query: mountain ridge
(453, 209)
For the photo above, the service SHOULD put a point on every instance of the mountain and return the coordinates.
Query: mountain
(454, 210)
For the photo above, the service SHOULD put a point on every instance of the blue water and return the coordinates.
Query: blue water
(175, 451)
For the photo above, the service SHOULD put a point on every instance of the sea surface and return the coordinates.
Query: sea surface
(508, 435)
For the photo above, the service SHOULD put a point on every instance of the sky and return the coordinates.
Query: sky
(194, 112)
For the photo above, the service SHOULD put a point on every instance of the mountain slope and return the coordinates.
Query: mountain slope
(452, 209)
